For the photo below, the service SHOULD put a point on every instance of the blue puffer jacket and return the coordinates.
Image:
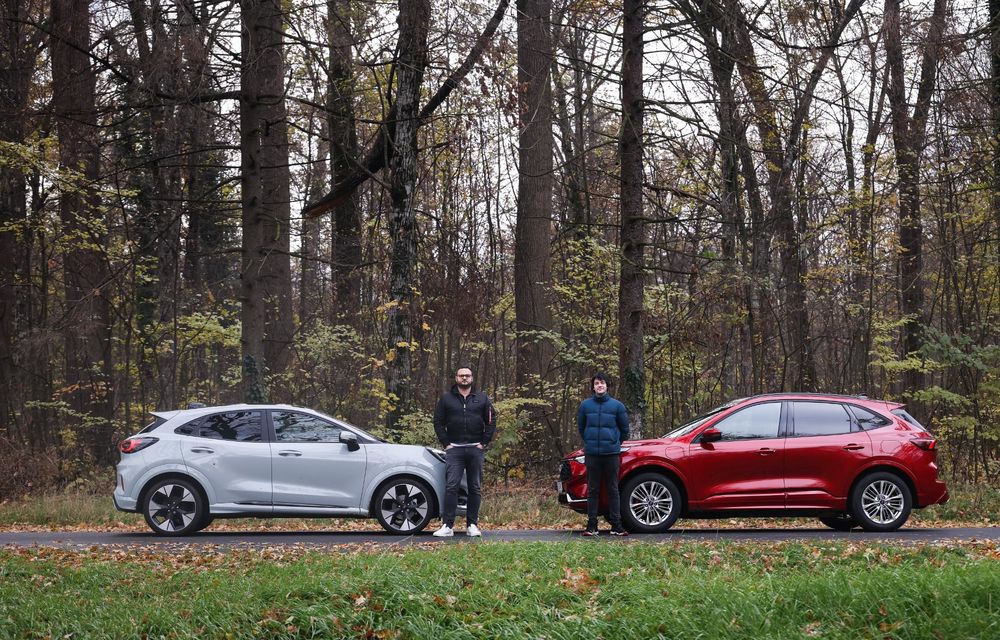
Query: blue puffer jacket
(603, 425)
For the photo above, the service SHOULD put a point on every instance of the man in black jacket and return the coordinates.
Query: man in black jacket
(464, 422)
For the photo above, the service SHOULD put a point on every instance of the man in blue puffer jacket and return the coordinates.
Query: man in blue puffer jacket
(603, 425)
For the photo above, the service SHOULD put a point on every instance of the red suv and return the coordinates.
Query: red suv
(849, 460)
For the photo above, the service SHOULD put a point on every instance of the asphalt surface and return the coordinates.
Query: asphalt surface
(320, 539)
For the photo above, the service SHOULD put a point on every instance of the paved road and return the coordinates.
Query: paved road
(86, 539)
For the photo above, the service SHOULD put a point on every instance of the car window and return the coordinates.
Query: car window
(157, 421)
(290, 426)
(868, 420)
(820, 419)
(905, 415)
(754, 422)
(241, 426)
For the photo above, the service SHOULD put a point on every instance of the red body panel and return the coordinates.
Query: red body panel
(790, 472)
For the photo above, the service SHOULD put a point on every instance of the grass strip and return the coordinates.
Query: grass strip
(585, 589)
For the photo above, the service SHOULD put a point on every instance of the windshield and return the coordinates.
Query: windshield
(690, 426)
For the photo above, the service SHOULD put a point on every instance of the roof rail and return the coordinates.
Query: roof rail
(811, 393)
(196, 405)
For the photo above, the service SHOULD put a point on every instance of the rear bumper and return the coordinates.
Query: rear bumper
(124, 503)
(935, 493)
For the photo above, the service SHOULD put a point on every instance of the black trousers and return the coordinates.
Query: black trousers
(467, 460)
(603, 470)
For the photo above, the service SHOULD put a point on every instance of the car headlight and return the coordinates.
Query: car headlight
(437, 453)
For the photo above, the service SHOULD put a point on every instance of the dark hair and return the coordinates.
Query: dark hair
(599, 376)
(464, 366)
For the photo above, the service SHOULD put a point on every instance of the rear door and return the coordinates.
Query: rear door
(229, 449)
(312, 469)
(825, 450)
(744, 469)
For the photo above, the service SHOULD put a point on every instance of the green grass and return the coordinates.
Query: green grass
(585, 589)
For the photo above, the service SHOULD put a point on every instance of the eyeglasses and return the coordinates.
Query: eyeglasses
(463, 375)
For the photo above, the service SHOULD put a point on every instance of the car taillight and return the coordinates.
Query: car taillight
(131, 445)
(927, 444)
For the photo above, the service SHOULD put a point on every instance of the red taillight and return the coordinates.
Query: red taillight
(927, 444)
(131, 445)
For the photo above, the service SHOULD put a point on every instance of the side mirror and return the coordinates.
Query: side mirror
(350, 439)
(711, 435)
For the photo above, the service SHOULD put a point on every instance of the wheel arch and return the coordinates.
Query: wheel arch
(173, 475)
(664, 471)
(405, 475)
(902, 474)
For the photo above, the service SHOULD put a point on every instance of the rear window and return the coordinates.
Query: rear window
(902, 413)
(868, 420)
(240, 426)
(157, 421)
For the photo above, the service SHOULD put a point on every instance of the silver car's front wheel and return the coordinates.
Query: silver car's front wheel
(404, 505)
(174, 507)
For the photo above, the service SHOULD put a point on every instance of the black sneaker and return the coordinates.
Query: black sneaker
(591, 533)
(619, 532)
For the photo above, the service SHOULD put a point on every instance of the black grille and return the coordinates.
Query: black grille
(564, 470)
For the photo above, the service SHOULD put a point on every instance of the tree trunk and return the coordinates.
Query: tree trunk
(631, 362)
(346, 249)
(87, 326)
(17, 64)
(908, 136)
(411, 59)
(266, 272)
(533, 228)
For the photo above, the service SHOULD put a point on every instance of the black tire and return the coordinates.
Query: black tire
(207, 520)
(881, 502)
(404, 506)
(651, 503)
(840, 522)
(174, 507)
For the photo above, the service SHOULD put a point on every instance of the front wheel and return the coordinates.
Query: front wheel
(881, 502)
(651, 503)
(174, 507)
(403, 506)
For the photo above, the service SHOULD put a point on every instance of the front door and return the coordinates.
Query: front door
(311, 468)
(743, 470)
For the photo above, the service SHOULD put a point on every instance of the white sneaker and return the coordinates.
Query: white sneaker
(473, 531)
(444, 532)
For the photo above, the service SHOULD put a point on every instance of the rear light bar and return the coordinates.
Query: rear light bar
(131, 445)
(927, 444)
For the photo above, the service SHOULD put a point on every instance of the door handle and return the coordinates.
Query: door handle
(202, 450)
(854, 447)
(765, 451)
(292, 454)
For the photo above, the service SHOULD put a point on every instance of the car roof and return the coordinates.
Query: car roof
(191, 413)
(811, 395)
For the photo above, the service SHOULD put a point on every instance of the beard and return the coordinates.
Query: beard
(464, 385)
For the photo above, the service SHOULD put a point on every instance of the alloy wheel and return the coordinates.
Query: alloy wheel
(172, 507)
(651, 503)
(882, 501)
(404, 507)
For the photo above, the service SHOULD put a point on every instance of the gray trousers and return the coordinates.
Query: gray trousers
(467, 460)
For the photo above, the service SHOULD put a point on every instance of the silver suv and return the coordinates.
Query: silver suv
(188, 467)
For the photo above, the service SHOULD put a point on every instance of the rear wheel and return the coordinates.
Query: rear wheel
(881, 502)
(174, 507)
(651, 503)
(840, 522)
(404, 506)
